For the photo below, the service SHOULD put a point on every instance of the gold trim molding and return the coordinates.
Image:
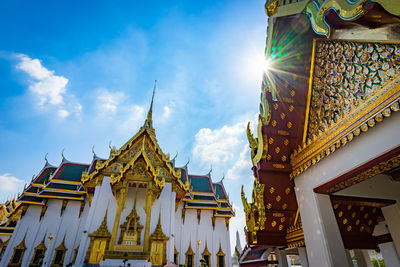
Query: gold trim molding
(381, 167)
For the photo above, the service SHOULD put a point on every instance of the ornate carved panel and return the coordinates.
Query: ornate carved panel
(345, 75)
(354, 85)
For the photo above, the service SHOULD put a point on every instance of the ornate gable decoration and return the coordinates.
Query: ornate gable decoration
(141, 156)
(353, 86)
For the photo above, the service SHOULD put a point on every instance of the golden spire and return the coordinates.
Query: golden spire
(149, 119)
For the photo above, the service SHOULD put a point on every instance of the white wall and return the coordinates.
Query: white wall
(76, 229)
(51, 223)
(191, 231)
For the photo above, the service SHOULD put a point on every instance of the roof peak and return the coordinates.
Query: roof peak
(149, 118)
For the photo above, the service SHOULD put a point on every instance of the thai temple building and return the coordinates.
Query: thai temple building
(326, 154)
(135, 208)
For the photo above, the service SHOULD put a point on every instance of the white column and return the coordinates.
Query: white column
(349, 257)
(303, 256)
(281, 257)
(321, 233)
(362, 257)
(389, 254)
(171, 241)
(392, 218)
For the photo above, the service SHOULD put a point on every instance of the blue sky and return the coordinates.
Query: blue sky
(74, 74)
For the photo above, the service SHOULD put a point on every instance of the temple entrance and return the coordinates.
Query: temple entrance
(365, 203)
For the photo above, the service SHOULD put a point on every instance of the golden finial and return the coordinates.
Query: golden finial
(176, 155)
(149, 119)
(94, 153)
(51, 236)
(112, 148)
(209, 173)
(62, 154)
(187, 163)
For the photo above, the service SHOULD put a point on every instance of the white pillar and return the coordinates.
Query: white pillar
(363, 259)
(289, 261)
(349, 257)
(389, 254)
(303, 256)
(321, 232)
(170, 253)
(392, 218)
(281, 257)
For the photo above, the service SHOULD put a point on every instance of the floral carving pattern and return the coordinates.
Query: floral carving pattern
(346, 73)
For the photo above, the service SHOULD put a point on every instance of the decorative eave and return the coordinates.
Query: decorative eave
(158, 233)
(102, 231)
(345, 10)
(364, 116)
(205, 252)
(295, 235)
(220, 252)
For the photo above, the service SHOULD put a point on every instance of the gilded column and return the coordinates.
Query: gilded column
(121, 203)
(149, 203)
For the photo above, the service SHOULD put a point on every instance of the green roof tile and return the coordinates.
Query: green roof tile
(71, 172)
(200, 184)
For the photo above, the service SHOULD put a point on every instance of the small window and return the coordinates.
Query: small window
(59, 254)
(176, 258)
(207, 259)
(17, 256)
(189, 261)
(59, 257)
(39, 254)
(220, 257)
(221, 261)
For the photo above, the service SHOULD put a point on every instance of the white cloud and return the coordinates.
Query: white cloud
(219, 145)
(242, 166)
(49, 88)
(227, 148)
(63, 113)
(166, 112)
(237, 224)
(133, 116)
(10, 185)
(109, 101)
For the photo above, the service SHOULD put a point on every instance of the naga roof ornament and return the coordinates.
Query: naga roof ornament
(259, 147)
(255, 211)
(345, 9)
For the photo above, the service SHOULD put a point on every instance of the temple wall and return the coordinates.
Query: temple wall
(76, 229)
(103, 200)
(191, 231)
(314, 209)
(51, 223)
